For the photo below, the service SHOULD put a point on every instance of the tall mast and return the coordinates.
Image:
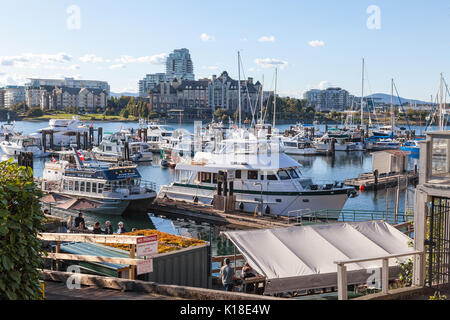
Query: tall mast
(392, 106)
(362, 95)
(239, 87)
(262, 99)
(275, 98)
(441, 110)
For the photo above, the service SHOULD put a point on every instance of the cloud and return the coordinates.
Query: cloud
(269, 62)
(243, 40)
(266, 39)
(206, 37)
(324, 85)
(213, 68)
(91, 58)
(155, 59)
(251, 69)
(11, 79)
(316, 43)
(117, 66)
(32, 60)
(74, 67)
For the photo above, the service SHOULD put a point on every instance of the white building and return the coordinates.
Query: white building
(69, 83)
(331, 99)
(13, 95)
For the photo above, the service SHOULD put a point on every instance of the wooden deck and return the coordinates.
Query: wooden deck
(204, 213)
(59, 291)
(368, 181)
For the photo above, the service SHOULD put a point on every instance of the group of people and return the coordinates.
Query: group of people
(228, 277)
(78, 225)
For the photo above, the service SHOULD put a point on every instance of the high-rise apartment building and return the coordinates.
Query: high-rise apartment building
(179, 66)
(331, 99)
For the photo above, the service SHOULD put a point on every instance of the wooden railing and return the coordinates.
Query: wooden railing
(92, 238)
(408, 226)
(342, 271)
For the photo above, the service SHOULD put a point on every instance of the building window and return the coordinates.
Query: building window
(238, 174)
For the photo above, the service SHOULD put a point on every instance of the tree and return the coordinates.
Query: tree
(125, 113)
(20, 107)
(35, 112)
(21, 219)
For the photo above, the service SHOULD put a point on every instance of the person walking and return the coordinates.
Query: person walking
(227, 275)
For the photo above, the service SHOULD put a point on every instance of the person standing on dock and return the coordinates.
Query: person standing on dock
(78, 220)
(97, 228)
(121, 229)
(108, 228)
(227, 275)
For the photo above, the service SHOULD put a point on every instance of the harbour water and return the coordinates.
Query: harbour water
(338, 167)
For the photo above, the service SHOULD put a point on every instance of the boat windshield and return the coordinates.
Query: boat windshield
(283, 174)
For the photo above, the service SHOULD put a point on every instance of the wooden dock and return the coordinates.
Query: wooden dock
(368, 181)
(205, 213)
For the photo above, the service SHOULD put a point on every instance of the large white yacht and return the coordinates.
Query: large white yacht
(118, 187)
(260, 174)
(7, 131)
(112, 149)
(299, 146)
(65, 131)
(18, 144)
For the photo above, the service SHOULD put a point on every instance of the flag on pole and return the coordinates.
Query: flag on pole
(80, 155)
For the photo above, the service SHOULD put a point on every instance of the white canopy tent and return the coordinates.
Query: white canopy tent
(301, 258)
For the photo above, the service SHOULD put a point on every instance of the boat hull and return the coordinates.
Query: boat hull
(279, 203)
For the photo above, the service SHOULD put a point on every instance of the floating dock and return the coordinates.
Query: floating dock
(205, 213)
(368, 181)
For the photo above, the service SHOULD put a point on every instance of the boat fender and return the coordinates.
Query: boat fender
(241, 206)
(195, 199)
(361, 188)
(267, 210)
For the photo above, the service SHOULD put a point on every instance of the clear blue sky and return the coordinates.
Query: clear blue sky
(127, 39)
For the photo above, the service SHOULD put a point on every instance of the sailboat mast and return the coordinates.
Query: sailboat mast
(362, 95)
(441, 118)
(275, 98)
(392, 106)
(262, 99)
(239, 87)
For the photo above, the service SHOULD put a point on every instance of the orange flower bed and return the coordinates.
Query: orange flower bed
(166, 242)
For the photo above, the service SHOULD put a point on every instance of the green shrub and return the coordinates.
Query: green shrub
(21, 219)
(34, 112)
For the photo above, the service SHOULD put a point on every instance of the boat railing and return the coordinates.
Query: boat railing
(149, 185)
(325, 216)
